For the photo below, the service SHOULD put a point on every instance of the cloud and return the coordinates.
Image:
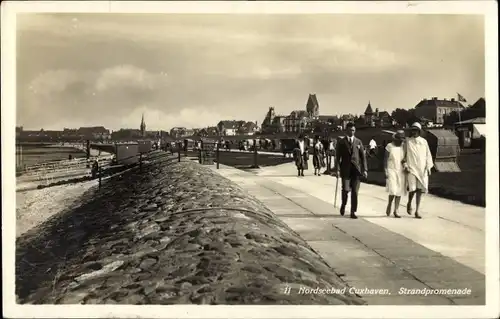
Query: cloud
(54, 82)
(75, 93)
(123, 76)
(266, 72)
(194, 70)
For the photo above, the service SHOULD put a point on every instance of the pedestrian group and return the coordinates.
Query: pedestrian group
(407, 166)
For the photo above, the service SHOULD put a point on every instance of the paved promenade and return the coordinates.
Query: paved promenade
(444, 250)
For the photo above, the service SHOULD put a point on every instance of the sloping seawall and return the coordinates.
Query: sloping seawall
(171, 233)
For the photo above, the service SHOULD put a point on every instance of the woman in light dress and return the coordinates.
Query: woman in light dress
(318, 158)
(301, 155)
(394, 172)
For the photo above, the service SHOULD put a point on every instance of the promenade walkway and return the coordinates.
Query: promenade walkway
(444, 250)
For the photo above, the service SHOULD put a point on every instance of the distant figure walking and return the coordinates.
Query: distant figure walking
(350, 163)
(318, 158)
(418, 163)
(330, 154)
(395, 176)
(301, 155)
(95, 169)
(372, 147)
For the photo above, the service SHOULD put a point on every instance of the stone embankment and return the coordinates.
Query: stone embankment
(171, 233)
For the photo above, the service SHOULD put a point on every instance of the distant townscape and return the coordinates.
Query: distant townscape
(430, 112)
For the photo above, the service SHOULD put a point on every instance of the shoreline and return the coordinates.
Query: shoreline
(36, 206)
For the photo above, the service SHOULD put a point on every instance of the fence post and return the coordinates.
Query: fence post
(217, 154)
(179, 151)
(200, 153)
(255, 154)
(88, 153)
(328, 161)
(100, 176)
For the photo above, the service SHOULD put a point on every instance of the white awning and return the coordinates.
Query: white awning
(479, 130)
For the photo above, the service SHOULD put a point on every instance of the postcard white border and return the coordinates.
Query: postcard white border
(9, 10)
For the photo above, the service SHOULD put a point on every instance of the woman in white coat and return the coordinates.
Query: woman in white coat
(394, 172)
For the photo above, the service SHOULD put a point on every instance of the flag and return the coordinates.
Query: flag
(461, 98)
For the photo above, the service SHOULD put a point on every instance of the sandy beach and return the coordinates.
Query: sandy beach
(33, 207)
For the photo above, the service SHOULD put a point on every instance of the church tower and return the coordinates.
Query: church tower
(143, 126)
(369, 110)
(312, 106)
(369, 114)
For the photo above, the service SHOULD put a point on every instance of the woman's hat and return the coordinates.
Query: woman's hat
(416, 125)
(399, 135)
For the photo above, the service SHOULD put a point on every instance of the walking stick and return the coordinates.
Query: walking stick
(336, 191)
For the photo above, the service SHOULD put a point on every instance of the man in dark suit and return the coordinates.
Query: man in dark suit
(350, 162)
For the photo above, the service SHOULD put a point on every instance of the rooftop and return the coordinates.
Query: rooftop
(369, 109)
(440, 103)
(299, 113)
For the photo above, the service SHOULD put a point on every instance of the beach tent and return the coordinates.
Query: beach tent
(127, 153)
(443, 145)
(145, 145)
(478, 130)
(444, 148)
(471, 133)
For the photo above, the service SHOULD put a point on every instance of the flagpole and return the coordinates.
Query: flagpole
(458, 106)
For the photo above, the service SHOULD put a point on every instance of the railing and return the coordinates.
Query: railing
(63, 165)
(87, 170)
(209, 152)
(115, 167)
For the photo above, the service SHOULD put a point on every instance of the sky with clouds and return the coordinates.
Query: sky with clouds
(193, 70)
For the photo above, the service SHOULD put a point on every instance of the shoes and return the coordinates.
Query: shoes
(396, 215)
(417, 216)
(353, 216)
(342, 210)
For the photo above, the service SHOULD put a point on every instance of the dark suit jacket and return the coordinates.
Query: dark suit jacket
(306, 148)
(347, 154)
